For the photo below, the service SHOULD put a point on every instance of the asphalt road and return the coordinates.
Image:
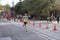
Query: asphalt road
(16, 31)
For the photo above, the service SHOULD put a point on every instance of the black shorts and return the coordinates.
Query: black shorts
(25, 23)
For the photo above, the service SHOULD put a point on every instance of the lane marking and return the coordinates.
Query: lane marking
(42, 35)
(45, 33)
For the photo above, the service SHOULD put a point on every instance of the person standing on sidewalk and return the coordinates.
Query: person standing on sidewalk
(25, 19)
(58, 19)
(47, 19)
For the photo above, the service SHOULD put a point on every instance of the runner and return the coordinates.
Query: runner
(25, 19)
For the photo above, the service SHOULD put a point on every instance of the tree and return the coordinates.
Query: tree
(0, 7)
(7, 6)
(37, 6)
(19, 8)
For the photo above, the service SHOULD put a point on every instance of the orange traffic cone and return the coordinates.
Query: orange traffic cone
(28, 21)
(33, 23)
(47, 27)
(14, 20)
(40, 24)
(17, 20)
(55, 28)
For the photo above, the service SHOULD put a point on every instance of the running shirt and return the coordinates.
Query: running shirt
(25, 18)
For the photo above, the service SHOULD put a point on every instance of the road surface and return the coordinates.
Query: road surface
(16, 31)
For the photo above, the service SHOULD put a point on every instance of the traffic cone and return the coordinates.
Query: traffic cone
(28, 21)
(47, 27)
(14, 20)
(55, 28)
(33, 23)
(40, 24)
(17, 20)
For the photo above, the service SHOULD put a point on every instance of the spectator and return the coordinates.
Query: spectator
(58, 19)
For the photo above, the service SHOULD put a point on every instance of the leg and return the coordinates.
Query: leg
(58, 22)
(25, 26)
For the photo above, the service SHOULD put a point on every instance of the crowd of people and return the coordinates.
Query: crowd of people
(25, 19)
(53, 18)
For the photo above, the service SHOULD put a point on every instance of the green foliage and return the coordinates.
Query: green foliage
(19, 8)
(0, 7)
(38, 7)
(34, 6)
(7, 6)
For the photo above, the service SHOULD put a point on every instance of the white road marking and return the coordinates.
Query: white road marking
(45, 32)
(42, 35)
